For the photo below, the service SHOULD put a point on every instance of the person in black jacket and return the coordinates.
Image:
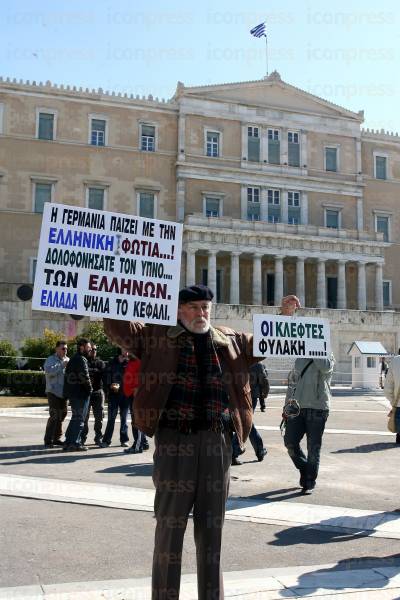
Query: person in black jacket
(96, 374)
(259, 385)
(117, 401)
(77, 388)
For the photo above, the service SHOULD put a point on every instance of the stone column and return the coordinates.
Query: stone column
(360, 214)
(181, 137)
(303, 149)
(190, 266)
(304, 208)
(180, 199)
(235, 291)
(264, 144)
(300, 286)
(361, 287)
(278, 280)
(244, 142)
(321, 284)
(284, 147)
(378, 287)
(264, 204)
(257, 282)
(341, 294)
(212, 271)
(284, 206)
(243, 202)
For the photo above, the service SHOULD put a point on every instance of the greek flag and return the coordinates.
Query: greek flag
(259, 30)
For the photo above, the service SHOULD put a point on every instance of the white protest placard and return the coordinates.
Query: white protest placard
(276, 335)
(104, 264)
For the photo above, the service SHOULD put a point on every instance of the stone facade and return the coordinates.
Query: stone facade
(279, 191)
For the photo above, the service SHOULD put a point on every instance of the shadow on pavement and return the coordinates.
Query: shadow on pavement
(274, 495)
(54, 456)
(365, 448)
(132, 470)
(342, 575)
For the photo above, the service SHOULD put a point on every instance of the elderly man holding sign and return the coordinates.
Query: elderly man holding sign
(194, 393)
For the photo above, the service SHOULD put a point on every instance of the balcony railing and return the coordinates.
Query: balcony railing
(285, 228)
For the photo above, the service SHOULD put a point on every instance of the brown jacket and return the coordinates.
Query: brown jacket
(157, 346)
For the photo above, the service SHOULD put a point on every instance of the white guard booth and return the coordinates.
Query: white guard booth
(366, 364)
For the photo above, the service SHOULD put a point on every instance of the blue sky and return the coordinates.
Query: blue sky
(348, 54)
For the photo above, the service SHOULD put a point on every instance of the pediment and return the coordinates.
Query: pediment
(270, 92)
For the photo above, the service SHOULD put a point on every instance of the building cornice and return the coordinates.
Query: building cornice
(247, 177)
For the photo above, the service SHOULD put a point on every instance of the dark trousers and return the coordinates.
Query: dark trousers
(117, 402)
(190, 472)
(254, 437)
(311, 423)
(79, 409)
(139, 438)
(58, 412)
(97, 405)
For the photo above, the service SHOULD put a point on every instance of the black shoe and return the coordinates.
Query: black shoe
(308, 488)
(145, 446)
(81, 448)
(48, 446)
(133, 450)
(397, 438)
(261, 453)
(236, 462)
(70, 448)
(302, 481)
(97, 441)
(104, 444)
(58, 443)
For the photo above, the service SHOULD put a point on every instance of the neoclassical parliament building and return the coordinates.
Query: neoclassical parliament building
(279, 191)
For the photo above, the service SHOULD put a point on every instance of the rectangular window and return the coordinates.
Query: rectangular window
(382, 226)
(371, 362)
(212, 207)
(274, 147)
(330, 159)
(357, 362)
(98, 132)
(332, 219)
(380, 167)
(46, 126)
(148, 138)
(96, 198)
(253, 204)
(253, 141)
(293, 149)
(212, 144)
(42, 195)
(386, 293)
(293, 208)
(147, 205)
(274, 206)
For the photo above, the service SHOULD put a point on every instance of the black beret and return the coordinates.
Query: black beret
(193, 293)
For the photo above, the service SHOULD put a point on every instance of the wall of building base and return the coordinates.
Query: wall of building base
(18, 321)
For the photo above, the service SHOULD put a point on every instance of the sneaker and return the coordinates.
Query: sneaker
(133, 450)
(124, 444)
(236, 462)
(261, 453)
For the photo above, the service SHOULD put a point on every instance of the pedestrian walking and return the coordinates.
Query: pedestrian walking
(313, 395)
(96, 403)
(77, 388)
(194, 391)
(392, 392)
(54, 368)
(259, 386)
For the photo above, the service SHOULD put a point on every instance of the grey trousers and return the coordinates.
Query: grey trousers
(191, 472)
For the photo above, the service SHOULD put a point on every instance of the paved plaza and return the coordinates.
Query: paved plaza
(80, 526)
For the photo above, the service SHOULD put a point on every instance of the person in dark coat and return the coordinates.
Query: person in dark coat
(77, 388)
(117, 401)
(96, 373)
